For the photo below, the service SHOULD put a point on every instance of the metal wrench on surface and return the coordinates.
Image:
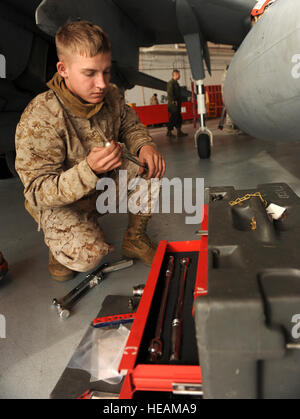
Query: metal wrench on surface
(65, 303)
(156, 346)
(177, 320)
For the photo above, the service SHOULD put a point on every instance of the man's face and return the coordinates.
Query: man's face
(86, 77)
(176, 76)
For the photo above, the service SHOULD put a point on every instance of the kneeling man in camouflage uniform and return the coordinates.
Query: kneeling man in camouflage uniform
(61, 154)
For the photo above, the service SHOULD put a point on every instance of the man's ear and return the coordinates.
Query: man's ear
(61, 69)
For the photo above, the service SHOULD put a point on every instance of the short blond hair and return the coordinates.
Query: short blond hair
(83, 38)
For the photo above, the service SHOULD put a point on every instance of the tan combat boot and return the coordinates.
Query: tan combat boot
(136, 243)
(58, 271)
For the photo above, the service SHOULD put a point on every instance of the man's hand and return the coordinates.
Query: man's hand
(104, 159)
(154, 160)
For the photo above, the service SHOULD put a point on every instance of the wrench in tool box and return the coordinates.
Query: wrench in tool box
(65, 303)
(156, 346)
(177, 320)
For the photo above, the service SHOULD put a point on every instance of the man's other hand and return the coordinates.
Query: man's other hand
(154, 160)
(104, 159)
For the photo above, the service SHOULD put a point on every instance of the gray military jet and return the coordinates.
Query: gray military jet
(28, 54)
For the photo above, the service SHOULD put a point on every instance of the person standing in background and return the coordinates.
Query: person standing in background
(174, 105)
(154, 100)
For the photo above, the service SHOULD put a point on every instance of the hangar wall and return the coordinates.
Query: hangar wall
(159, 61)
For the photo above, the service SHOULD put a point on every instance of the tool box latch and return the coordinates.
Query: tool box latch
(187, 389)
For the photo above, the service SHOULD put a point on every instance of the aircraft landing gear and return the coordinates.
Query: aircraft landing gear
(203, 136)
(198, 52)
(203, 143)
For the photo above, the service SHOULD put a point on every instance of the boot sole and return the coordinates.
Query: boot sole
(62, 278)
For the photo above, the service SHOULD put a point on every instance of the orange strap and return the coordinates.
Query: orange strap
(259, 8)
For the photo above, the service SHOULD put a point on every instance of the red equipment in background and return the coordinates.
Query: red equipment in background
(215, 104)
(158, 114)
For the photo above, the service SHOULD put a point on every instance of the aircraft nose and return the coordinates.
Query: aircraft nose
(262, 89)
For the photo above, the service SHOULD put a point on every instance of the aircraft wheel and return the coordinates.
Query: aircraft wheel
(203, 145)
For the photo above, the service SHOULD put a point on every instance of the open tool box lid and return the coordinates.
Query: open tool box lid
(247, 334)
(165, 375)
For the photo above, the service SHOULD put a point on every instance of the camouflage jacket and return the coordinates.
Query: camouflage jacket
(52, 145)
(174, 93)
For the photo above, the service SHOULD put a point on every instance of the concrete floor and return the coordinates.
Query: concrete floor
(38, 344)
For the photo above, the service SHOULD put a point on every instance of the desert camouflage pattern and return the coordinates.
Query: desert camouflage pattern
(59, 186)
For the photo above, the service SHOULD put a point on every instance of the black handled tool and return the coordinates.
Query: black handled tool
(135, 160)
(65, 303)
(177, 320)
(156, 346)
(129, 156)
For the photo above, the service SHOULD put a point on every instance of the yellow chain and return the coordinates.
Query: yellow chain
(246, 197)
(253, 223)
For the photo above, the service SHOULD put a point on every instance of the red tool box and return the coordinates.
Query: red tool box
(182, 376)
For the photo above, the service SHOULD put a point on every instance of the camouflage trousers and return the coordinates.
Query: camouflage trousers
(73, 233)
